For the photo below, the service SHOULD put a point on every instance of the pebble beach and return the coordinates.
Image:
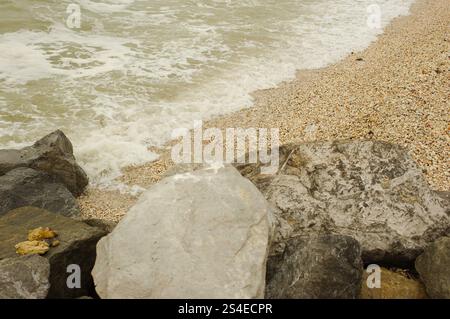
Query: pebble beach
(397, 90)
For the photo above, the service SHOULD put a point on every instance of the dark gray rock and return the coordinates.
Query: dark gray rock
(434, 268)
(77, 247)
(316, 267)
(369, 190)
(24, 277)
(28, 187)
(52, 154)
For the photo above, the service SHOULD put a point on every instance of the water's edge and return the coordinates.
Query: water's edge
(117, 145)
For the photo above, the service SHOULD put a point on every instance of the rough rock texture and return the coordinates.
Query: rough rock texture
(77, 246)
(446, 197)
(201, 234)
(24, 277)
(369, 190)
(28, 187)
(394, 285)
(52, 154)
(312, 267)
(434, 268)
(105, 225)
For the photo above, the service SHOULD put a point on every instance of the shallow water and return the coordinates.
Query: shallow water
(137, 69)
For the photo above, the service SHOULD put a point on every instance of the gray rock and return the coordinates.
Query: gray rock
(105, 225)
(316, 267)
(77, 247)
(434, 268)
(369, 190)
(28, 187)
(52, 154)
(446, 197)
(201, 234)
(24, 277)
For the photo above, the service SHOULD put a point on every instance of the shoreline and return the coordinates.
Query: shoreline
(397, 93)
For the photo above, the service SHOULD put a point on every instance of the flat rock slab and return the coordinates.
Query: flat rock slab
(369, 190)
(316, 267)
(28, 187)
(202, 234)
(24, 277)
(434, 268)
(77, 246)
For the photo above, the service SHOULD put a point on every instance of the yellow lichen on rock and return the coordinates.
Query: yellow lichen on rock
(31, 247)
(39, 242)
(41, 233)
(55, 243)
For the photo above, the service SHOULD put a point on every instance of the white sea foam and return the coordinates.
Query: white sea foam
(20, 62)
(30, 55)
(105, 6)
(139, 69)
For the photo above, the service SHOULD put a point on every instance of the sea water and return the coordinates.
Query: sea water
(135, 70)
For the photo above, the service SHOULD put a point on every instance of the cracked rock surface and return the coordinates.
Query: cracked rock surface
(369, 190)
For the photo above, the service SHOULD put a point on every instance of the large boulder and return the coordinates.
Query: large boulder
(24, 277)
(434, 268)
(52, 154)
(369, 190)
(28, 187)
(202, 234)
(77, 243)
(316, 267)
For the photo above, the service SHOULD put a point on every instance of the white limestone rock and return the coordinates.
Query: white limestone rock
(202, 234)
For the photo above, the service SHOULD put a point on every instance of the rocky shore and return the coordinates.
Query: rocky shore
(396, 91)
(358, 208)
(315, 229)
